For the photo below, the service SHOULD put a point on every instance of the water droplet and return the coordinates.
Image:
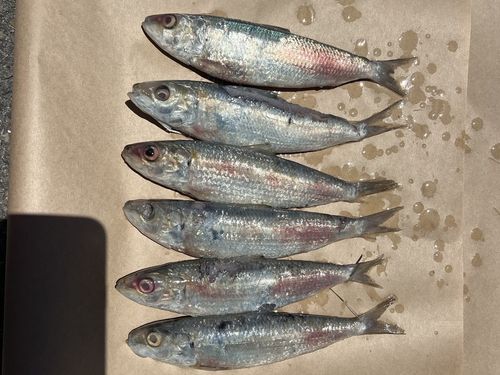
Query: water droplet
(495, 151)
(341, 106)
(427, 36)
(377, 52)
(436, 333)
(389, 44)
(476, 260)
(440, 283)
(439, 245)
(458, 90)
(390, 53)
(380, 152)
(361, 47)
(440, 109)
(477, 124)
(452, 46)
(448, 268)
(418, 207)
(400, 134)
(353, 112)
(410, 180)
(369, 151)
(402, 144)
(420, 130)
(477, 234)
(350, 14)
(305, 14)
(431, 273)
(429, 188)
(438, 256)
(446, 136)
(424, 145)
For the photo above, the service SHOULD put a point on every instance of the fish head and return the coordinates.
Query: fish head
(159, 221)
(167, 163)
(155, 287)
(163, 342)
(145, 287)
(180, 35)
(171, 102)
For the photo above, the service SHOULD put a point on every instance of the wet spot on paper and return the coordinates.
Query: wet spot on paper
(431, 68)
(361, 47)
(477, 123)
(461, 142)
(429, 188)
(476, 260)
(408, 42)
(495, 151)
(477, 234)
(350, 14)
(306, 14)
(452, 46)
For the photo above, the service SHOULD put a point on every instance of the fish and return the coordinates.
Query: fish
(236, 285)
(221, 342)
(220, 230)
(254, 54)
(222, 173)
(244, 116)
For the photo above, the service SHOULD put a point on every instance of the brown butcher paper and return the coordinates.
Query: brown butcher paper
(75, 63)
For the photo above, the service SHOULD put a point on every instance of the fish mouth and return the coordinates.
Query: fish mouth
(152, 26)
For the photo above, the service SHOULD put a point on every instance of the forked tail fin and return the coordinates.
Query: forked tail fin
(359, 271)
(372, 224)
(375, 326)
(383, 71)
(374, 125)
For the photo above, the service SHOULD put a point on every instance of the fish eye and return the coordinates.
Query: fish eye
(146, 285)
(148, 211)
(153, 339)
(151, 152)
(169, 21)
(162, 93)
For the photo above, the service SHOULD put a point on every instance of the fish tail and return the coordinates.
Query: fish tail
(363, 188)
(359, 271)
(383, 71)
(374, 326)
(371, 126)
(371, 224)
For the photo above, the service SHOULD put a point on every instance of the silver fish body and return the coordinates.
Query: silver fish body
(218, 230)
(262, 55)
(245, 116)
(222, 173)
(249, 339)
(234, 285)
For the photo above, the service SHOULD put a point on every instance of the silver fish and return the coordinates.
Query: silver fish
(245, 116)
(235, 285)
(250, 339)
(218, 230)
(222, 173)
(262, 55)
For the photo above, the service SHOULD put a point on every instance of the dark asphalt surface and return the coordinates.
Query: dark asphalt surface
(7, 10)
